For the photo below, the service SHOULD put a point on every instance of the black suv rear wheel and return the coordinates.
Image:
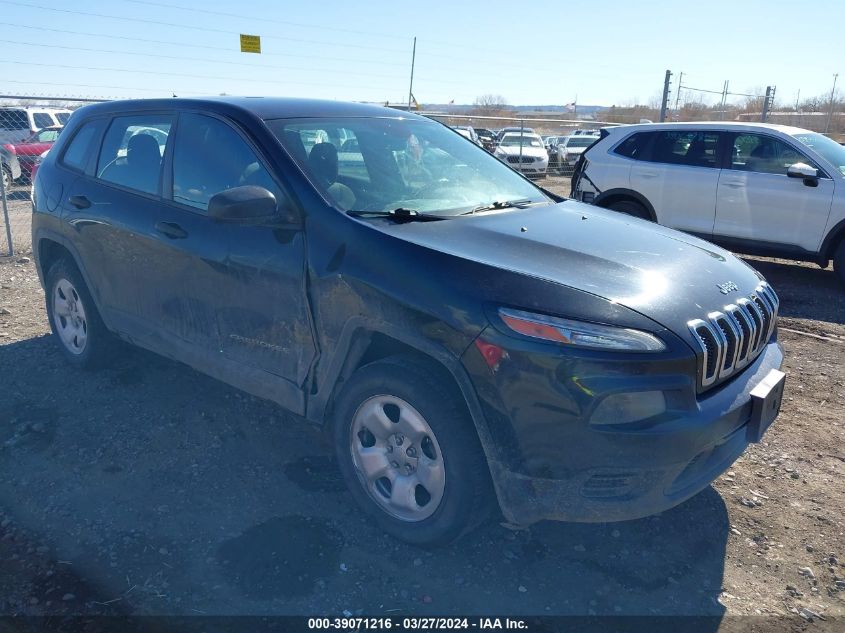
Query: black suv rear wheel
(74, 320)
(409, 452)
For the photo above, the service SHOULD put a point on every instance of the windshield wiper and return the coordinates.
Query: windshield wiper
(400, 214)
(522, 203)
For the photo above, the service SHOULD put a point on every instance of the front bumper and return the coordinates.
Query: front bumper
(563, 468)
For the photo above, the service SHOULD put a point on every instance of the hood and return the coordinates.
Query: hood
(663, 274)
(527, 150)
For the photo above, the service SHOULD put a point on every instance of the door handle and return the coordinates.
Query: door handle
(735, 184)
(647, 174)
(171, 230)
(80, 202)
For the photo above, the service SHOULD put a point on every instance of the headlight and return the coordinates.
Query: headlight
(622, 408)
(579, 333)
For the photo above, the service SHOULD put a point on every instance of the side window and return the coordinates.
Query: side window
(209, 157)
(686, 147)
(62, 117)
(80, 147)
(764, 154)
(132, 151)
(634, 146)
(13, 120)
(47, 136)
(42, 119)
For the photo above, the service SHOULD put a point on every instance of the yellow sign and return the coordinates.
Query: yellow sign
(250, 43)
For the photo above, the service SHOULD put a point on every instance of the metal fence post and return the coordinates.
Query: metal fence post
(521, 139)
(6, 209)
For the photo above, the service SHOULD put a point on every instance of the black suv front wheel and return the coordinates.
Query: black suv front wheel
(409, 452)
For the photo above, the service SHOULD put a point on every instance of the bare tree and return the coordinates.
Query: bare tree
(490, 105)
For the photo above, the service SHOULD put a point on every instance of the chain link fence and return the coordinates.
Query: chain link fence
(28, 128)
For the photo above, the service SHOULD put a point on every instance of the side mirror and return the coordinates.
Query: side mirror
(802, 170)
(249, 205)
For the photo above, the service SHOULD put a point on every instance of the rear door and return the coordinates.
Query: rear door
(111, 209)
(758, 202)
(679, 176)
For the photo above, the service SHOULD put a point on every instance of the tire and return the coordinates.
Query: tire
(74, 320)
(7, 179)
(839, 261)
(399, 428)
(630, 207)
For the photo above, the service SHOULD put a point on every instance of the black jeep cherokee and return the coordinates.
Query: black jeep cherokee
(465, 335)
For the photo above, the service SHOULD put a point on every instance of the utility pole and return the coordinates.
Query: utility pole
(766, 101)
(678, 92)
(411, 88)
(665, 101)
(724, 102)
(830, 112)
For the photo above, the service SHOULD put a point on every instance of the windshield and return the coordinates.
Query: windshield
(374, 164)
(510, 140)
(827, 148)
(580, 141)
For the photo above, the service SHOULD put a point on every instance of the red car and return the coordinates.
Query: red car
(29, 151)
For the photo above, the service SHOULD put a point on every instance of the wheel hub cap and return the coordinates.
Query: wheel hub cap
(397, 458)
(69, 317)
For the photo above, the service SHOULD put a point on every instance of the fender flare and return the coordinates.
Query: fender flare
(64, 242)
(833, 237)
(621, 192)
(350, 348)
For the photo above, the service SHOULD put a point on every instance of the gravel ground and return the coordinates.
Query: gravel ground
(148, 488)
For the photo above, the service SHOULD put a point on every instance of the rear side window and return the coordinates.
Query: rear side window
(63, 117)
(81, 145)
(634, 146)
(13, 120)
(685, 147)
(209, 157)
(132, 151)
(42, 119)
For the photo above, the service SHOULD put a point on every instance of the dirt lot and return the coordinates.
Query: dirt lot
(148, 488)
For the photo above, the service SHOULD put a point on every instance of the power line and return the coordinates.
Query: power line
(266, 19)
(215, 61)
(170, 74)
(201, 46)
(198, 28)
(452, 59)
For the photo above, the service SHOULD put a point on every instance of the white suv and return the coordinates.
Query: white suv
(752, 187)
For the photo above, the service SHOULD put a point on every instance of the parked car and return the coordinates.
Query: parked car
(468, 132)
(29, 150)
(19, 123)
(586, 132)
(523, 152)
(755, 188)
(466, 337)
(551, 143)
(569, 150)
(513, 130)
(11, 167)
(487, 138)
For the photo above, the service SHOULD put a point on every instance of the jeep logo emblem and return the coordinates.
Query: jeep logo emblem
(727, 287)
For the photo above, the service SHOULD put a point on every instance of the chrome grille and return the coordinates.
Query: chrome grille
(732, 338)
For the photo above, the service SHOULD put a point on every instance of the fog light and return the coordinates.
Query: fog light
(621, 408)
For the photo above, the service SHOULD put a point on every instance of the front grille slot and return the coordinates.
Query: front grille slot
(730, 340)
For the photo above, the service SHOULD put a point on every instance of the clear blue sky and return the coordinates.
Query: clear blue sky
(539, 52)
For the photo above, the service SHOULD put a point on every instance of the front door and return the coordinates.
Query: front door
(757, 201)
(253, 276)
